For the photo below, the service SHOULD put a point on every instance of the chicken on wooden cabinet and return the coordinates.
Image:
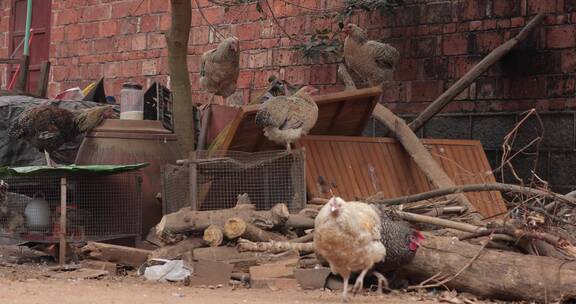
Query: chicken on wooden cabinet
(286, 118)
(348, 235)
(47, 127)
(371, 60)
(220, 68)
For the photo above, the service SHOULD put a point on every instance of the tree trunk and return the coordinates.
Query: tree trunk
(122, 255)
(494, 274)
(213, 236)
(177, 42)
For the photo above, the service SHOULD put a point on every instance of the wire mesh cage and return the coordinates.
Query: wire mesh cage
(270, 177)
(98, 207)
(175, 188)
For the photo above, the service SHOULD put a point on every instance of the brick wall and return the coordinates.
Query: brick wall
(439, 41)
(4, 38)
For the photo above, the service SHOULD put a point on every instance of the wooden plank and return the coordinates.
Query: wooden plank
(10, 60)
(329, 156)
(44, 79)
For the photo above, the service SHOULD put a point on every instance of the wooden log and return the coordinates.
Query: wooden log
(346, 78)
(127, 256)
(420, 154)
(471, 75)
(236, 227)
(213, 236)
(177, 250)
(187, 220)
(494, 274)
(242, 261)
(300, 221)
(274, 246)
(204, 127)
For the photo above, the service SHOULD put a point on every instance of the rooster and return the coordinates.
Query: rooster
(285, 119)
(371, 60)
(401, 243)
(220, 68)
(348, 235)
(47, 127)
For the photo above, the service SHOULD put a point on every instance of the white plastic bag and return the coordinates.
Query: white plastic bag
(167, 270)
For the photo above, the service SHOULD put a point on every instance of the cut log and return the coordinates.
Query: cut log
(172, 252)
(213, 236)
(236, 227)
(273, 246)
(188, 220)
(494, 274)
(122, 255)
(420, 154)
(474, 73)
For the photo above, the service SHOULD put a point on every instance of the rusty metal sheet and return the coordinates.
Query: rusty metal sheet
(343, 113)
(362, 166)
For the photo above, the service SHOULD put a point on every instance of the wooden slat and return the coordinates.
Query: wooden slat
(330, 156)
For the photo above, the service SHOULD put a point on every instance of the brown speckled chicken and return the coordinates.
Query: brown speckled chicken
(371, 60)
(220, 68)
(348, 235)
(47, 127)
(286, 119)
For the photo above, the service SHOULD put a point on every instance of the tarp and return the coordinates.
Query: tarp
(20, 153)
(100, 169)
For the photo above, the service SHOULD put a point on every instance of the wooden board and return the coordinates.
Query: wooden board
(362, 166)
(343, 113)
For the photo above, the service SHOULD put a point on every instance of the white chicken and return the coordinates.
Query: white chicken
(347, 235)
(286, 118)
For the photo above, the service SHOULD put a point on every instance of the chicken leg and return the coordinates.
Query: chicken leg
(345, 297)
(359, 284)
(288, 148)
(382, 282)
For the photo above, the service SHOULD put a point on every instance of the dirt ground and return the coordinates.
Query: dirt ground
(32, 285)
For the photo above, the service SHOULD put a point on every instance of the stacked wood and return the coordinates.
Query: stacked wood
(213, 236)
(122, 255)
(237, 227)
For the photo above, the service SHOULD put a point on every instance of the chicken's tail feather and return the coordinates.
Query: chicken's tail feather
(262, 119)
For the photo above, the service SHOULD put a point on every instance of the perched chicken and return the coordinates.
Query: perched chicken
(276, 87)
(220, 68)
(47, 127)
(285, 119)
(348, 235)
(371, 60)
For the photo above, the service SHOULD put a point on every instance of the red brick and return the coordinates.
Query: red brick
(449, 28)
(503, 24)
(438, 12)
(245, 79)
(165, 22)
(489, 24)
(127, 8)
(472, 9)
(475, 25)
(67, 17)
(284, 57)
(297, 75)
(95, 13)
(560, 86)
(159, 6)
(325, 74)
(506, 8)
(199, 35)
(456, 44)
(103, 45)
(487, 41)
(149, 67)
(561, 37)
(250, 45)
(149, 23)
(156, 41)
(215, 15)
(569, 61)
(90, 30)
(128, 25)
(540, 6)
(139, 42)
(73, 32)
(269, 43)
(517, 22)
(260, 79)
(436, 29)
(56, 34)
(391, 91)
(423, 90)
(248, 31)
(108, 28)
(406, 69)
(527, 87)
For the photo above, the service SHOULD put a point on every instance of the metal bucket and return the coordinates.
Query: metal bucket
(121, 142)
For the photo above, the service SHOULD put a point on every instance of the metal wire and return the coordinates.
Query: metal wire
(268, 178)
(99, 207)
